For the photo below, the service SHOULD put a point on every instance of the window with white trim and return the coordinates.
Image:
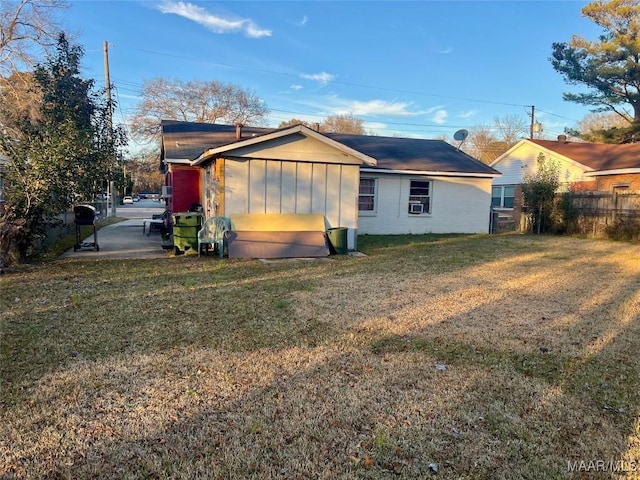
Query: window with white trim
(419, 197)
(503, 196)
(367, 195)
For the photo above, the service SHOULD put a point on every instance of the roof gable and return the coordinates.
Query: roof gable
(526, 150)
(281, 138)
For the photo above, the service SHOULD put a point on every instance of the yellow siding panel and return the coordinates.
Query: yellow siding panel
(278, 222)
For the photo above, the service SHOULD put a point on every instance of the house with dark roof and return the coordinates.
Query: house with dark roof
(366, 184)
(420, 186)
(584, 166)
(181, 143)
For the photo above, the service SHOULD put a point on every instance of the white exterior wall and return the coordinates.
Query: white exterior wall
(524, 160)
(279, 186)
(458, 205)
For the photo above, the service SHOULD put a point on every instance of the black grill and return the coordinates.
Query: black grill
(85, 215)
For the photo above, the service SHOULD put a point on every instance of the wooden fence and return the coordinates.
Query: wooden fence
(596, 214)
(603, 214)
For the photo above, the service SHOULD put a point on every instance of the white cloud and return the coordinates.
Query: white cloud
(377, 107)
(430, 110)
(440, 117)
(335, 105)
(323, 77)
(468, 114)
(444, 51)
(212, 22)
(304, 21)
(296, 87)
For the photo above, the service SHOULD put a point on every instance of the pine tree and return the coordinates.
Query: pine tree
(60, 156)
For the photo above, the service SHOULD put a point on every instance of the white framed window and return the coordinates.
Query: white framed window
(503, 196)
(419, 197)
(367, 195)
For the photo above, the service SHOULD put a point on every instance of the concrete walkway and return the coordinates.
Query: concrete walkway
(123, 240)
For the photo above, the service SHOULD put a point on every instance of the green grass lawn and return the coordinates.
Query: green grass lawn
(506, 356)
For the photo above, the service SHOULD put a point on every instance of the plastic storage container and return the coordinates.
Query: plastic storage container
(186, 226)
(338, 240)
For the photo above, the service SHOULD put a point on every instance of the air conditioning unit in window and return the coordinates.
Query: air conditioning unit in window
(416, 208)
(167, 191)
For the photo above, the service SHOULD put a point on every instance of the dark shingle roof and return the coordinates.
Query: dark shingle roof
(417, 154)
(599, 156)
(187, 140)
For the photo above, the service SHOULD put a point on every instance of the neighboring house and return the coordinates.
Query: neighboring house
(368, 184)
(596, 167)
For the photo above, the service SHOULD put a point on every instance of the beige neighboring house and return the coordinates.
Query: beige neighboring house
(586, 167)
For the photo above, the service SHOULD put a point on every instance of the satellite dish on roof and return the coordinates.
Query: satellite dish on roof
(460, 136)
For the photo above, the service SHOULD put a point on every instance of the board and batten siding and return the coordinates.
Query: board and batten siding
(523, 160)
(458, 205)
(283, 186)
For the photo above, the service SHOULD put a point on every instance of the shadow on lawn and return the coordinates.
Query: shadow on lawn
(95, 310)
(492, 413)
(372, 403)
(91, 309)
(586, 359)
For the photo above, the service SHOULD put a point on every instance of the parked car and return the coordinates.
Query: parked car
(127, 199)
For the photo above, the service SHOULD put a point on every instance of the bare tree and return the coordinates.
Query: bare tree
(511, 129)
(25, 26)
(486, 143)
(195, 101)
(478, 143)
(143, 168)
(593, 127)
(20, 98)
(295, 121)
(343, 124)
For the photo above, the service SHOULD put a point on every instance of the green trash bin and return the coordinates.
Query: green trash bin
(338, 240)
(186, 226)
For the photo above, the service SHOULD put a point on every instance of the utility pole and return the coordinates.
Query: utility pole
(533, 116)
(109, 120)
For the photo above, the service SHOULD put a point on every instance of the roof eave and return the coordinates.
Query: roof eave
(182, 161)
(432, 173)
(617, 171)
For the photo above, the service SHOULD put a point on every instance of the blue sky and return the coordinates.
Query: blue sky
(410, 68)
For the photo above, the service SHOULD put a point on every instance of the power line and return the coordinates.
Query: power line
(125, 123)
(559, 116)
(134, 87)
(337, 82)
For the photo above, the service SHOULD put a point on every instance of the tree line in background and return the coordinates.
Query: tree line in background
(56, 128)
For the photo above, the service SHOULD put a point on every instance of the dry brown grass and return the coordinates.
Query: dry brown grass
(492, 357)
